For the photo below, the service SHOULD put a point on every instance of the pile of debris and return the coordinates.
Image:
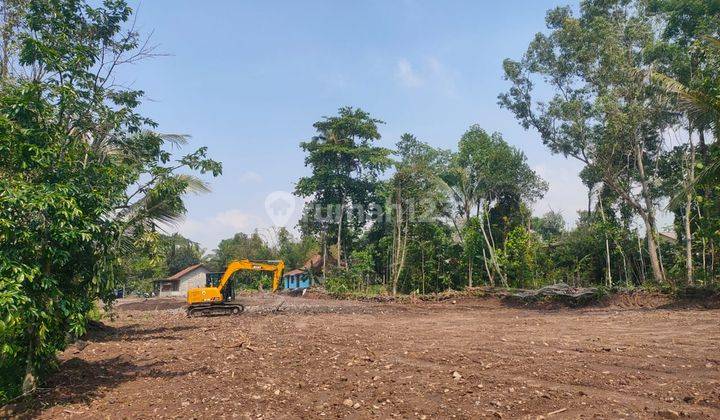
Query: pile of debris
(560, 292)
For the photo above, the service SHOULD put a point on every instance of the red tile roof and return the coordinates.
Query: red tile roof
(184, 271)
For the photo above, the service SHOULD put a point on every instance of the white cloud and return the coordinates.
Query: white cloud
(250, 177)
(235, 219)
(431, 73)
(210, 230)
(407, 75)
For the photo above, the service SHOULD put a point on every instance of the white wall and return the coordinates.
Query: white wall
(193, 279)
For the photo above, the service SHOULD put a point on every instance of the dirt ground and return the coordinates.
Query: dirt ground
(295, 357)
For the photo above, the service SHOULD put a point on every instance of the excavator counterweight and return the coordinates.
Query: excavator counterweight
(210, 301)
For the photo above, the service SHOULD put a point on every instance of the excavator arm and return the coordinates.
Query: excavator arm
(276, 267)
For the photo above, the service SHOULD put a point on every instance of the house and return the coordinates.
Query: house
(296, 279)
(179, 283)
(307, 275)
(315, 264)
(667, 237)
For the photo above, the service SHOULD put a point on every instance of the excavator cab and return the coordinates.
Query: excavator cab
(213, 280)
(212, 300)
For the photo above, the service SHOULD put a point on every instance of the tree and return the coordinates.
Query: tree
(292, 251)
(241, 246)
(83, 179)
(689, 56)
(487, 172)
(345, 166)
(415, 196)
(180, 253)
(12, 18)
(605, 111)
(520, 257)
(550, 226)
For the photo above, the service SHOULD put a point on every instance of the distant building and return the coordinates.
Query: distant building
(309, 274)
(296, 279)
(667, 237)
(315, 264)
(179, 283)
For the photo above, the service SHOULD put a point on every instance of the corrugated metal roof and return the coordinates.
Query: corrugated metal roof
(669, 235)
(184, 271)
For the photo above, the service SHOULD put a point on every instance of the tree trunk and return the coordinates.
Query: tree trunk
(649, 219)
(395, 247)
(324, 271)
(422, 268)
(608, 272)
(470, 270)
(653, 252)
(30, 380)
(688, 210)
(642, 261)
(625, 270)
(712, 257)
(339, 233)
(490, 242)
(400, 235)
(487, 269)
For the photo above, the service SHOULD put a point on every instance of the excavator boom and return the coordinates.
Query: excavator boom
(276, 267)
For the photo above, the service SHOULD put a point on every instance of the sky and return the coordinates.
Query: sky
(248, 80)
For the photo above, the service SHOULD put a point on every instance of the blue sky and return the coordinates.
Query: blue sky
(248, 79)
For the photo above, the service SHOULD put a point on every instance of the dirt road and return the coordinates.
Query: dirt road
(320, 358)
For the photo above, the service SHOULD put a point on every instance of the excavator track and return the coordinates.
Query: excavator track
(215, 309)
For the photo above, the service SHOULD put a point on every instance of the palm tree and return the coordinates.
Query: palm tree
(158, 202)
(700, 106)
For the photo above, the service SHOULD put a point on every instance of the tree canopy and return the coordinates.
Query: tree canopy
(84, 178)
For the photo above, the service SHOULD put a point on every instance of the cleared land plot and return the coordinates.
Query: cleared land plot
(312, 358)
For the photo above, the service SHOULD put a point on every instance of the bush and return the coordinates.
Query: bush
(520, 258)
(11, 375)
(339, 282)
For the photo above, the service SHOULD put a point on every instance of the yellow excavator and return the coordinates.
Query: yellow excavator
(204, 301)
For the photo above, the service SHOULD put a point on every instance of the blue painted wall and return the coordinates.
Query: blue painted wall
(297, 281)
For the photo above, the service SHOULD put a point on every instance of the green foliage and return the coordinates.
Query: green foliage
(82, 180)
(283, 247)
(85, 181)
(550, 226)
(339, 282)
(603, 109)
(239, 247)
(355, 278)
(519, 257)
(259, 282)
(294, 252)
(345, 165)
(156, 256)
(181, 252)
(586, 87)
